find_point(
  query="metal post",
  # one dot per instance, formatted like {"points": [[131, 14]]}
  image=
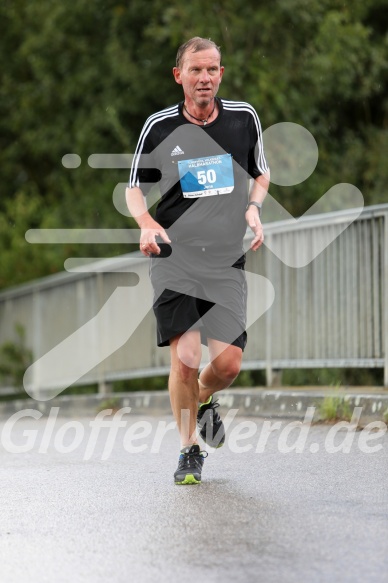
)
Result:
{"points": [[385, 300], [36, 342], [268, 320], [103, 387]]}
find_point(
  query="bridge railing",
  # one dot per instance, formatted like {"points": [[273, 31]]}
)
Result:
{"points": [[332, 312]]}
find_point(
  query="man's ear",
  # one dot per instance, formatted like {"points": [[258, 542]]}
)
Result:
{"points": [[177, 75]]}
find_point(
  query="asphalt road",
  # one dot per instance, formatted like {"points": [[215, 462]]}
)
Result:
{"points": [[258, 516]]}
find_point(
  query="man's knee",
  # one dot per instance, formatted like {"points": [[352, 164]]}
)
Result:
{"points": [[186, 356], [227, 368]]}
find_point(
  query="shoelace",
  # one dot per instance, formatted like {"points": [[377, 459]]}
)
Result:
{"points": [[190, 460]]}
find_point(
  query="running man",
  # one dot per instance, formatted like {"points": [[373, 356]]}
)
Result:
{"points": [[202, 152]]}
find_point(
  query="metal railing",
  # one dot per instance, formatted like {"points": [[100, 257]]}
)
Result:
{"points": [[330, 313]]}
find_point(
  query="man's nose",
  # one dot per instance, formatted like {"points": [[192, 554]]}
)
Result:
{"points": [[204, 77]]}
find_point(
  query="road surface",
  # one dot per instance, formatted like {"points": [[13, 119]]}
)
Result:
{"points": [[81, 504]]}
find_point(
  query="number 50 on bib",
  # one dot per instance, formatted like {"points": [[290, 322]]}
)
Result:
{"points": [[208, 176]]}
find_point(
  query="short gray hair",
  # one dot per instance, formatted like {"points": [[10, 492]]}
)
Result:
{"points": [[195, 44]]}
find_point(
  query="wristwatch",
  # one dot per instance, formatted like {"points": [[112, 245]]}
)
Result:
{"points": [[256, 204]]}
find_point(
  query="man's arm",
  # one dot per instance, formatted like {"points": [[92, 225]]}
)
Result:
{"points": [[150, 229], [257, 194]]}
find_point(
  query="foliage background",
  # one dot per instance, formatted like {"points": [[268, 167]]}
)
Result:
{"points": [[83, 76]]}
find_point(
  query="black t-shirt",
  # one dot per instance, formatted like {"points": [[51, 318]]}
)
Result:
{"points": [[203, 171]]}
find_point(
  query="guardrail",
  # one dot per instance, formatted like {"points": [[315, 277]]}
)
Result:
{"points": [[330, 313]]}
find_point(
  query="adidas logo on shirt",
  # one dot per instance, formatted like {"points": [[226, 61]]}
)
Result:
{"points": [[177, 151]]}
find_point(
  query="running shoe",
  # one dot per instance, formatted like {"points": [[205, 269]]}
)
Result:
{"points": [[210, 423], [190, 465]]}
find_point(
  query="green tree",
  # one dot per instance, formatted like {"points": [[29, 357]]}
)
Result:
{"points": [[83, 77]]}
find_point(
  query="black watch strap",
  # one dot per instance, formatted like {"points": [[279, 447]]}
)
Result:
{"points": [[256, 204]]}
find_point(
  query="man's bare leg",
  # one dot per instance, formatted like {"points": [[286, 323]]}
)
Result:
{"points": [[224, 366], [183, 383]]}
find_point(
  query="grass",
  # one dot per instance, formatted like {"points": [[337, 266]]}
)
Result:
{"points": [[110, 403], [334, 408]]}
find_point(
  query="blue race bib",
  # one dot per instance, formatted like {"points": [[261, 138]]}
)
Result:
{"points": [[208, 176]]}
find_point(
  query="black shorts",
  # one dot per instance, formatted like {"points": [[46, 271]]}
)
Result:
{"points": [[198, 288]]}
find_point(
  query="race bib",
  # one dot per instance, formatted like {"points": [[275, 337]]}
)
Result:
{"points": [[208, 176]]}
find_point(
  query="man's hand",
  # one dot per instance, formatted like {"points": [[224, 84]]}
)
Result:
{"points": [[258, 191], [253, 220], [150, 229]]}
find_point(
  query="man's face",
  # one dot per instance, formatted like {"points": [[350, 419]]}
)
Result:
{"points": [[200, 75]]}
